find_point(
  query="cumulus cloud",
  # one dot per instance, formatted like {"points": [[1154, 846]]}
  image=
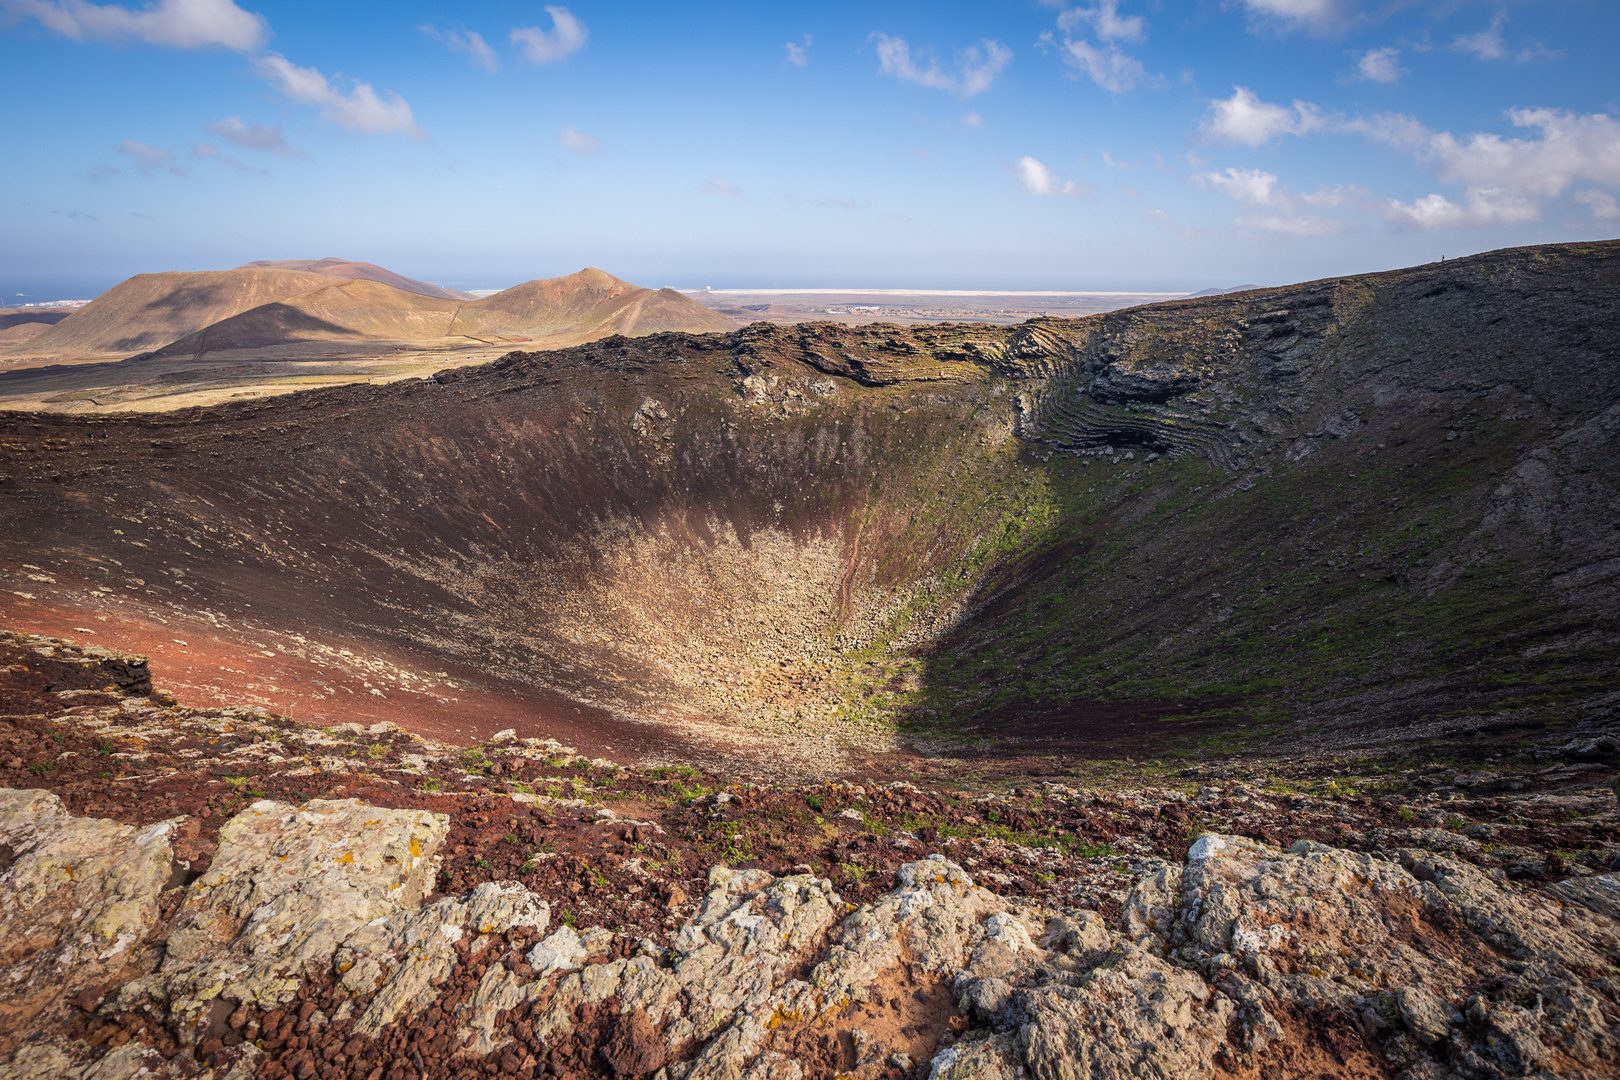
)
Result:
{"points": [[359, 110], [1604, 207], [578, 142], [1105, 21], [149, 159], [1244, 118], [1255, 187], [470, 42], [1481, 206], [254, 137], [1504, 180], [195, 24], [567, 35], [1037, 179], [180, 24], [973, 119], [1569, 149], [1282, 209], [1318, 17], [1379, 65], [798, 55], [1109, 68], [1103, 62], [976, 66], [720, 187], [1488, 44]]}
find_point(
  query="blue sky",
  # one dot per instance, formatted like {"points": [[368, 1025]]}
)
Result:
{"points": [[1116, 144]]}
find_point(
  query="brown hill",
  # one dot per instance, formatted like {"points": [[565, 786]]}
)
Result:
{"points": [[554, 312], [348, 270], [583, 306], [24, 324], [150, 310], [354, 310]]}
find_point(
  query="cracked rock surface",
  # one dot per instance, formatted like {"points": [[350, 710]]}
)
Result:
{"points": [[311, 948]]}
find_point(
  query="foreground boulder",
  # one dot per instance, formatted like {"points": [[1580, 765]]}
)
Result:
{"points": [[312, 948], [78, 896]]}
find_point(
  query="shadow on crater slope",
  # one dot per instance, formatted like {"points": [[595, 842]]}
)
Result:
{"points": [[1350, 514]]}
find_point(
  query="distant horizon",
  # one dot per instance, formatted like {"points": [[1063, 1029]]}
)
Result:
{"points": [[60, 290], [17, 291], [1041, 145]]}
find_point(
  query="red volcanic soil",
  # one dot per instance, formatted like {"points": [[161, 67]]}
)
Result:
{"points": [[204, 664]]}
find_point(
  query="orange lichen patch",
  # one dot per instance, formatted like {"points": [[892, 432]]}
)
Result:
{"points": [[346, 858]]}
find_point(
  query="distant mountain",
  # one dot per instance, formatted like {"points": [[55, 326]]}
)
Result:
{"points": [[1223, 292], [265, 305], [553, 312], [150, 310], [25, 324], [586, 305], [347, 270]]}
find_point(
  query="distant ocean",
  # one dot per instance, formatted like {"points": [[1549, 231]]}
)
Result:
{"points": [[19, 289]]}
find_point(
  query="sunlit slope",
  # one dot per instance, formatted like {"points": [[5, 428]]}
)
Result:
{"points": [[558, 311], [355, 310], [349, 270], [148, 311], [583, 306]]}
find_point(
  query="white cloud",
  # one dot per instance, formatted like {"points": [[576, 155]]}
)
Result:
{"points": [[724, 188], [195, 24], [1504, 180], [1254, 187], [798, 55], [578, 142], [973, 119], [1570, 148], [359, 110], [1109, 68], [1481, 206], [470, 42], [1318, 17], [180, 24], [1115, 163], [1603, 205], [1258, 189], [254, 137], [149, 159], [1105, 21], [1488, 44], [1244, 118], [977, 65], [1380, 65], [1037, 179], [567, 35], [1104, 64]]}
